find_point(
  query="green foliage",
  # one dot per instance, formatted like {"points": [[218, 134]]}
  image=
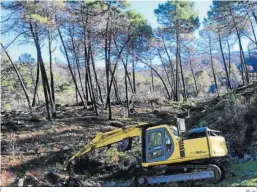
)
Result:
{"points": [[246, 172], [114, 154], [7, 107], [39, 18], [246, 183], [177, 15], [243, 169]]}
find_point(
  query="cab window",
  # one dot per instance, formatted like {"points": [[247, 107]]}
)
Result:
{"points": [[155, 139], [155, 145], [160, 145]]}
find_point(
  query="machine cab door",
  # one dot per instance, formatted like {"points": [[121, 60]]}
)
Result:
{"points": [[159, 145]]}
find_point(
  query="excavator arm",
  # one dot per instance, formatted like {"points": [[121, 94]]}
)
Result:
{"points": [[108, 138]]}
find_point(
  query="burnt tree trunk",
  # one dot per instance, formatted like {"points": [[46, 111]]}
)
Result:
{"points": [[36, 86], [46, 87]]}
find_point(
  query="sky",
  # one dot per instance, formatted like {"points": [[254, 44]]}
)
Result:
{"points": [[146, 7]]}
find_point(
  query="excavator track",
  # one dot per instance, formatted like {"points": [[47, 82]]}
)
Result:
{"points": [[182, 173], [164, 174]]}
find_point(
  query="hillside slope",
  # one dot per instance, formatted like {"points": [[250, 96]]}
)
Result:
{"points": [[37, 150]]}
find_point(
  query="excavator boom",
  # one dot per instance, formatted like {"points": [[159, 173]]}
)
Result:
{"points": [[108, 138]]}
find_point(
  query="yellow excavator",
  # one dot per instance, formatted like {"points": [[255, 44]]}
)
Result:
{"points": [[178, 154]]}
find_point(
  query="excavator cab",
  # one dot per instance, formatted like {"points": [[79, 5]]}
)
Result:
{"points": [[164, 145], [159, 144]]}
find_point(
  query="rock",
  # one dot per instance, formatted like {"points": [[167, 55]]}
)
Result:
{"points": [[247, 157]]}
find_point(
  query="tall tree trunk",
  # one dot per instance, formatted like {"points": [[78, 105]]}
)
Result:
{"points": [[223, 57], [212, 67], [126, 86], [242, 68], [126, 71], [163, 65], [69, 65], [85, 54], [133, 73], [33, 82], [46, 87], [182, 76], [192, 71], [229, 64], [108, 101], [243, 56], [93, 100], [171, 68], [36, 87], [116, 90], [117, 98], [254, 15], [51, 74], [86, 87], [177, 93], [90, 91], [107, 63], [152, 90], [77, 63], [76, 92], [254, 34], [19, 77], [240, 46], [96, 79]]}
